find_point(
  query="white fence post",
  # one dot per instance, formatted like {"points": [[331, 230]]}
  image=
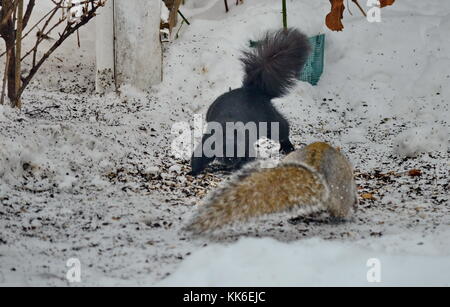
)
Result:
{"points": [[136, 50]]}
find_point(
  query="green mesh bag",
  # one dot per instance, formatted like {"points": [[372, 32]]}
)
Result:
{"points": [[313, 68]]}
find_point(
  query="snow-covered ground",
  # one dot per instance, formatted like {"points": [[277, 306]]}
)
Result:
{"points": [[93, 177]]}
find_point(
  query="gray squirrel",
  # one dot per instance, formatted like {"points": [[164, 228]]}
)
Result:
{"points": [[315, 178], [270, 69]]}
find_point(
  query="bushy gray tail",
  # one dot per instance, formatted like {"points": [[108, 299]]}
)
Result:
{"points": [[276, 61]]}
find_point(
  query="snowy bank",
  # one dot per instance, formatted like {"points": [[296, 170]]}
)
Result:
{"points": [[314, 262]]}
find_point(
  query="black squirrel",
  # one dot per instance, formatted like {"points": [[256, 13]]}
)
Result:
{"points": [[270, 69]]}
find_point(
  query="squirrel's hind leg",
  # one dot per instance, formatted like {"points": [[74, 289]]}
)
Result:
{"points": [[286, 146], [198, 164]]}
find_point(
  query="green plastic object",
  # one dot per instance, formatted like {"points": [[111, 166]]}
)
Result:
{"points": [[313, 68]]}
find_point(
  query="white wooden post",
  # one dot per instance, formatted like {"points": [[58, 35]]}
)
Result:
{"points": [[129, 50]]}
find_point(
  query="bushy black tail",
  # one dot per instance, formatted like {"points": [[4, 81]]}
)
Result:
{"points": [[276, 61]]}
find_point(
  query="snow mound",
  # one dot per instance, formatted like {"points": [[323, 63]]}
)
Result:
{"points": [[420, 140], [267, 262]]}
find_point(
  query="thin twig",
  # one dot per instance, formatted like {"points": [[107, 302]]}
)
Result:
{"points": [[178, 31], [184, 18], [28, 12], [40, 39], [360, 8], [348, 8]]}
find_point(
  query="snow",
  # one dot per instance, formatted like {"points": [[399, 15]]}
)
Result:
{"points": [[93, 176], [2, 117], [164, 12], [421, 139], [311, 262]]}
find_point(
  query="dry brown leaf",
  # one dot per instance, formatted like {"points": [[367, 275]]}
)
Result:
{"points": [[384, 3], [333, 19]]}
